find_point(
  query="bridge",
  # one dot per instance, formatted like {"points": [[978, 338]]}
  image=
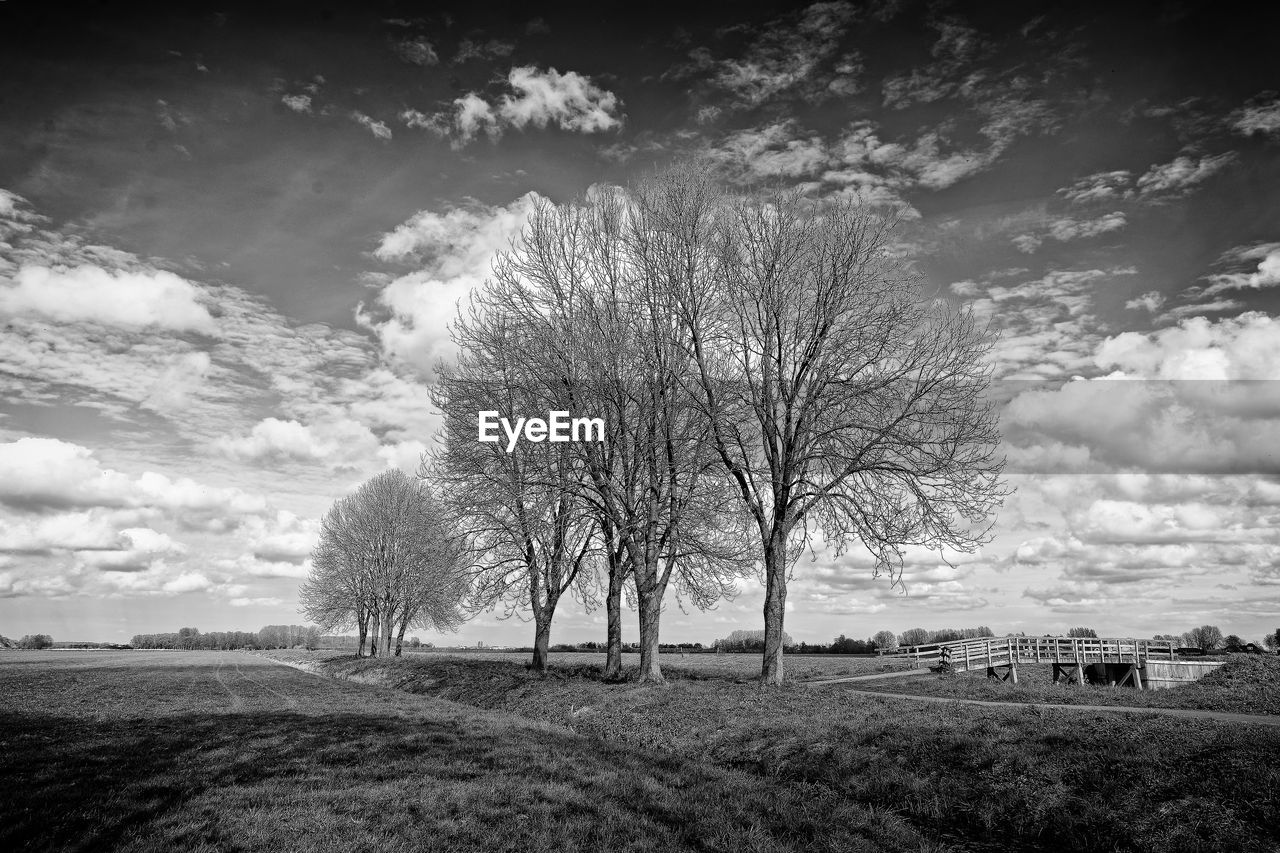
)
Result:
{"points": [[1123, 660]]}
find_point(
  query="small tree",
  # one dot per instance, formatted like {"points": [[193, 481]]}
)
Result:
{"points": [[1206, 637], [1232, 640], [914, 637], [885, 641], [1272, 641], [36, 641], [1082, 633]]}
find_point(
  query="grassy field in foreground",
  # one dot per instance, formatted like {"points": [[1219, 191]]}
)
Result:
{"points": [[1245, 684], [973, 778], [218, 751], [730, 667]]}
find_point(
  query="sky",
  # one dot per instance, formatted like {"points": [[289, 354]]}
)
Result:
{"points": [[231, 238]]}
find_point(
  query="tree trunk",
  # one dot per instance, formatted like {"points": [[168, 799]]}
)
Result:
{"points": [[374, 623], [404, 626], [650, 616], [364, 632], [388, 625], [775, 605], [613, 608], [541, 639]]}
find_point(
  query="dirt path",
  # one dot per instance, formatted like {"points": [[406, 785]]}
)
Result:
{"points": [[1221, 716]]}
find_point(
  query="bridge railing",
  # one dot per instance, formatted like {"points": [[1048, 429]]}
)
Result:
{"points": [[1001, 651]]}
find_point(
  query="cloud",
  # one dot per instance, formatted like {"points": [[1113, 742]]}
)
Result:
{"points": [[536, 98], [94, 529], [491, 49], [86, 293], [1181, 174], [335, 442], [41, 473], [1266, 273], [282, 538], [1151, 301], [406, 455], [1100, 186], [253, 566], [417, 51], [771, 151], [377, 128], [140, 549], [1067, 228], [1262, 116], [455, 249], [791, 56], [297, 103], [1048, 325], [1243, 347]]}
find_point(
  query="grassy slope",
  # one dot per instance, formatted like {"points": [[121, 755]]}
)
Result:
{"points": [[982, 778], [1245, 684], [222, 751]]}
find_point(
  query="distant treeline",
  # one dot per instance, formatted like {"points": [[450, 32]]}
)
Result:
{"points": [[923, 636], [269, 637]]}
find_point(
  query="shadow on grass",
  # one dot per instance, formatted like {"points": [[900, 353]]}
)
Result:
{"points": [[349, 781]]}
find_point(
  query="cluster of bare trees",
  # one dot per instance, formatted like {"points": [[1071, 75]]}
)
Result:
{"points": [[385, 563], [767, 371]]}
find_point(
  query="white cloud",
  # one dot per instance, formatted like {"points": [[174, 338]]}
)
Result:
{"points": [[1243, 347], [1101, 186], [377, 128], [417, 51], [1261, 117], [1181, 174], [335, 442], [536, 98], [86, 293], [250, 565], [1151, 301], [776, 150], [456, 248], [406, 455], [282, 538], [1067, 228], [1267, 273], [93, 529], [46, 472], [297, 103], [140, 549]]}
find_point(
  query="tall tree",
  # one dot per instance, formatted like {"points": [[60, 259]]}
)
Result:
{"points": [[841, 399], [601, 341], [528, 534]]}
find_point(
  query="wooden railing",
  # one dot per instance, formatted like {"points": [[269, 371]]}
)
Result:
{"points": [[984, 652]]}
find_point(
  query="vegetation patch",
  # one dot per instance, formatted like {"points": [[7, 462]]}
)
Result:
{"points": [[976, 778]]}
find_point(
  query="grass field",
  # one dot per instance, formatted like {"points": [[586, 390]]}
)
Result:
{"points": [[973, 778], [222, 751], [207, 751], [731, 667]]}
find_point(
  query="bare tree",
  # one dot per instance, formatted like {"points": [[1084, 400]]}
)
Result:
{"points": [[841, 399], [1206, 637], [384, 562], [886, 641], [528, 534], [600, 340]]}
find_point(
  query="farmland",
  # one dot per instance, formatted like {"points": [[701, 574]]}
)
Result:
{"points": [[223, 749], [226, 750]]}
